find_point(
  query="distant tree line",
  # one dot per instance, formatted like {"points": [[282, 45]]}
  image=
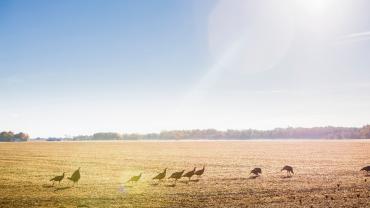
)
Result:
{"points": [[328, 132], [8, 136]]}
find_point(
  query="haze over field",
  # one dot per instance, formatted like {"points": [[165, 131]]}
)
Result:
{"points": [[231, 103], [80, 67]]}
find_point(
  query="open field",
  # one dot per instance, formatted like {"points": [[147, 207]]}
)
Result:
{"points": [[326, 174]]}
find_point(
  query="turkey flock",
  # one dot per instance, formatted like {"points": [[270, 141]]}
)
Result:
{"points": [[174, 176], [75, 177]]}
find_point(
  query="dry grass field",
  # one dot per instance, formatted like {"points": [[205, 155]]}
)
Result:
{"points": [[326, 174]]}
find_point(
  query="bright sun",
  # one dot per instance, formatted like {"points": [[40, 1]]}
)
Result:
{"points": [[314, 6]]}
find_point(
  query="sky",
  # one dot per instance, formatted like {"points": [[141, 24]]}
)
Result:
{"points": [[79, 67]]}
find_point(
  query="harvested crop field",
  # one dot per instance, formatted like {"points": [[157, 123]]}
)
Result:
{"points": [[326, 174]]}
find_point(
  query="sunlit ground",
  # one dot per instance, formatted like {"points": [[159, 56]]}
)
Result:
{"points": [[326, 174]]}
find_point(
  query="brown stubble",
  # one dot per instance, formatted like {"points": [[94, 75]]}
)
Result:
{"points": [[319, 167]]}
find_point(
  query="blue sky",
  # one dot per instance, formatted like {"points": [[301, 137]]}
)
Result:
{"points": [[78, 67]]}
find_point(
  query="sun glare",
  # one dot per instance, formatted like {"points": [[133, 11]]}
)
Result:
{"points": [[315, 6]]}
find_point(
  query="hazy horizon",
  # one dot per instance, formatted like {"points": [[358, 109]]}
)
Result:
{"points": [[80, 67]]}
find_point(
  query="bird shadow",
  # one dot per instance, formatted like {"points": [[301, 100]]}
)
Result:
{"points": [[253, 177], [62, 188], [233, 179], [185, 182], [170, 185], [195, 180], [82, 205], [285, 177], [47, 186]]}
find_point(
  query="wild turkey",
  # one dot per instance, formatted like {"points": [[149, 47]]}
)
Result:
{"points": [[135, 178], [58, 178], [161, 176], [367, 169], [177, 175], [256, 171], [200, 172], [75, 177], [288, 169], [189, 174]]}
